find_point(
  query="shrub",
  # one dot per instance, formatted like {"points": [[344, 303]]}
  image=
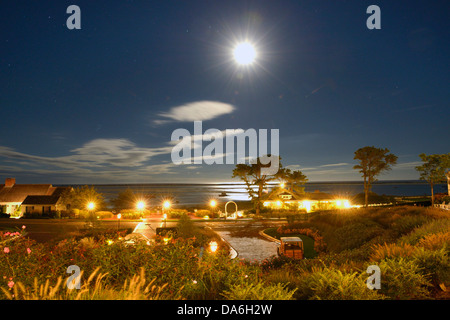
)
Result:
{"points": [[435, 263], [403, 279], [436, 241], [104, 214], [392, 250], [132, 214], [354, 235], [276, 262], [333, 284], [258, 291], [406, 224], [177, 213], [203, 212], [433, 227], [442, 199]]}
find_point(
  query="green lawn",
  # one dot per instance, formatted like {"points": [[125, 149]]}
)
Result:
{"points": [[308, 242]]}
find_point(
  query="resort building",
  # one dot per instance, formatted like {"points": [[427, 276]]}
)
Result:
{"points": [[285, 199], [16, 199]]}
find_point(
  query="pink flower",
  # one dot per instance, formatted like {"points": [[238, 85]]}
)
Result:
{"points": [[11, 284], [23, 227], [28, 250], [6, 250]]}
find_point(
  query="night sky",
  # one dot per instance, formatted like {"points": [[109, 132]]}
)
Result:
{"points": [[99, 104]]}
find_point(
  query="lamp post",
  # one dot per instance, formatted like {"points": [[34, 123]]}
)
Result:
{"points": [[213, 204], [166, 206], [91, 218], [140, 206], [119, 216], [91, 207]]}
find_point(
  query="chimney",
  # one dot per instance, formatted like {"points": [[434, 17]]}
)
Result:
{"points": [[9, 182]]}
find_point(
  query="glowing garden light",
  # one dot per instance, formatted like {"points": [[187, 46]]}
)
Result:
{"points": [[307, 205], [91, 206], [213, 246], [140, 205], [119, 216], [166, 204]]}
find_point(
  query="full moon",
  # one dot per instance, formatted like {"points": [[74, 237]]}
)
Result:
{"points": [[244, 53]]}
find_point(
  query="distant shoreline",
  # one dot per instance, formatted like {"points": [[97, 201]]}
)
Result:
{"points": [[381, 182], [199, 194]]}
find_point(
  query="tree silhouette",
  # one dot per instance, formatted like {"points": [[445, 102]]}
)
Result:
{"points": [[433, 169], [372, 162]]}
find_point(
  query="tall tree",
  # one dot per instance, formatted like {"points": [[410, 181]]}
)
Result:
{"points": [[253, 177], [293, 180], [372, 162], [433, 170], [80, 197]]}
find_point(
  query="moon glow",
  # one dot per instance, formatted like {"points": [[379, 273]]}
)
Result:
{"points": [[244, 53]]}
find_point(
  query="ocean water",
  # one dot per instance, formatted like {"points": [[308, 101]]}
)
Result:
{"points": [[195, 194]]}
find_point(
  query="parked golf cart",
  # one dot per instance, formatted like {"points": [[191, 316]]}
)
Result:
{"points": [[291, 247]]}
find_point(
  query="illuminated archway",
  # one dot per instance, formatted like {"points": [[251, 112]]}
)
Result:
{"points": [[226, 212]]}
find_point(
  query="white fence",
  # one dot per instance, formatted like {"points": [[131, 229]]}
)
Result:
{"points": [[443, 206]]}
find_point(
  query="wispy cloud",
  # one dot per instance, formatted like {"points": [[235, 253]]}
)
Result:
{"points": [[196, 140], [425, 106], [115, 152], [299, 167], [94, 154], [106, 159], [335, 165], [195, 111], [408, 165]]}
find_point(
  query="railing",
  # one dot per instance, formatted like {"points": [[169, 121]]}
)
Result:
{"points": [[442, 206]]}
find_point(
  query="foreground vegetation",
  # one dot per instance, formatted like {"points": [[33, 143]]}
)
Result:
{"points": [[409, 244]]}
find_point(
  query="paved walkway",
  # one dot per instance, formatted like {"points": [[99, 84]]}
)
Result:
{"points": [[243, 236]]}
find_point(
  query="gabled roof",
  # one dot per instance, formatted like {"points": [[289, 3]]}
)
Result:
{"points": [[317, 195], [277, 193], [41, 200], [52, 199], [18, 192]]}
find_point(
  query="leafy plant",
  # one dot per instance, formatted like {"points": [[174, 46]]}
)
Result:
{"points": [[258, 291], [403, 279], [392, 250], [332, 284]]}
